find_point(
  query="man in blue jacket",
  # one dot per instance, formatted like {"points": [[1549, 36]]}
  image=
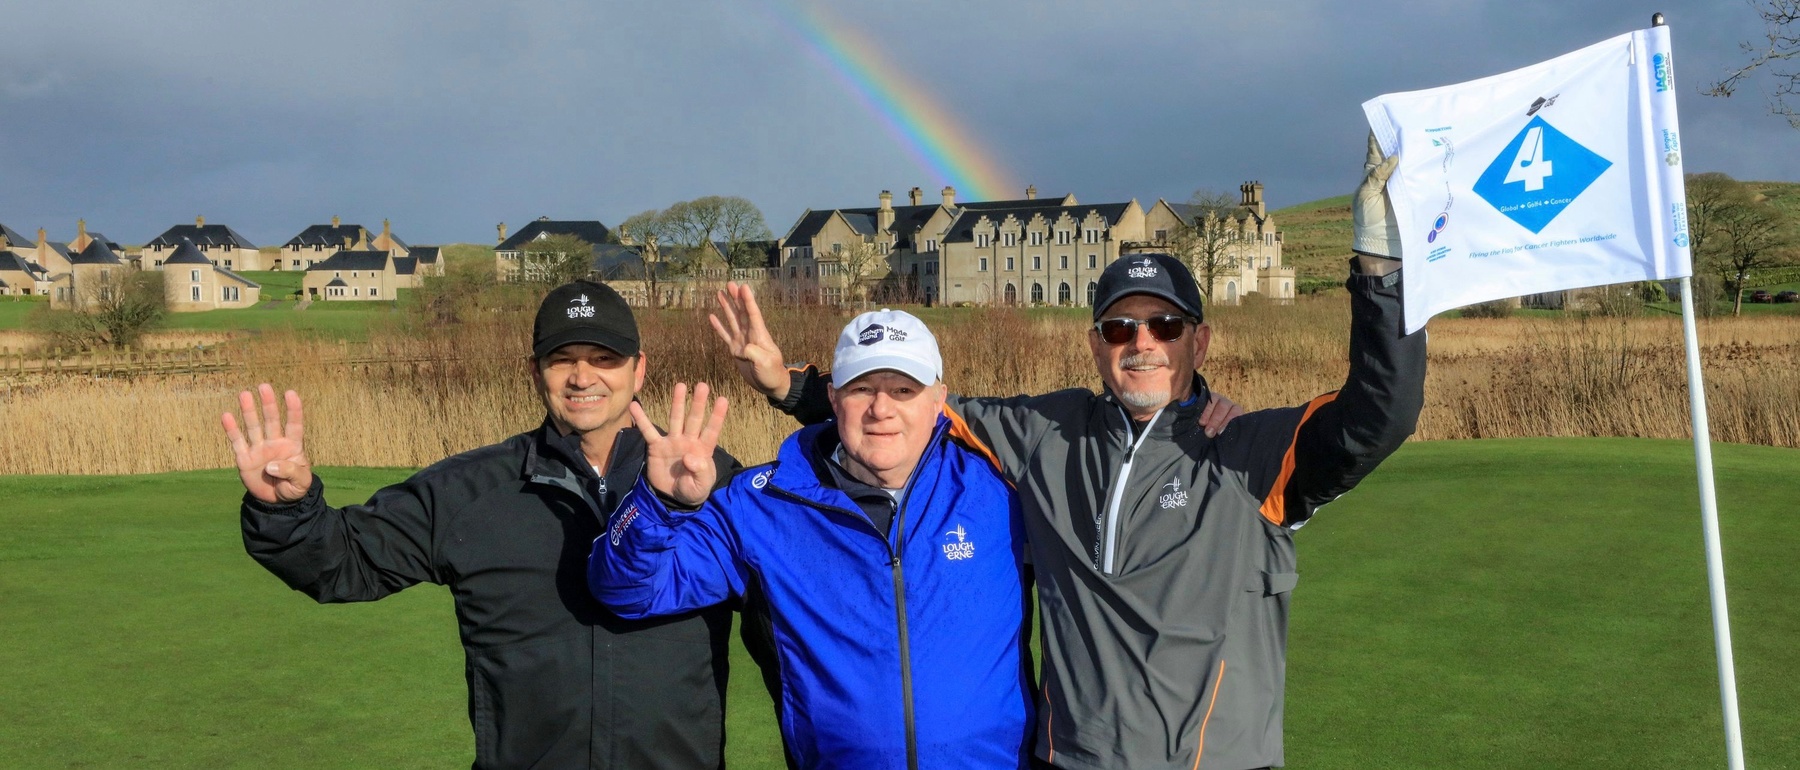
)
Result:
{"points": [[887, 546]]}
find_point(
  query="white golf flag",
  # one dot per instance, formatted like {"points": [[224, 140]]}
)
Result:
{"points": [[1557, 176]]}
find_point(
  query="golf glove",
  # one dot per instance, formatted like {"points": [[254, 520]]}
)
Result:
{"points": [[1377, 230]]}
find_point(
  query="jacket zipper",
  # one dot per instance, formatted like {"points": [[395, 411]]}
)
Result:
{"points": [[899, 573], [1106, 545]]}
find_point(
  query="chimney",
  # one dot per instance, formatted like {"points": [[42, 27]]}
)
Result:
{"points": [[334, 220], [949, 196], [347, 244], [917, 196], [502, 228], [1031, 193], [80, 229], [884, 218], [41, 236], [1253, 197], [199, 221]]}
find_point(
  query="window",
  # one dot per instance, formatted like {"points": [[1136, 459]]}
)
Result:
{"points": [[1062, 262], [1009, 264], [296, 264], [931, 244], [1063, 237], [1037, 261], [193, 291], [931, 268], [1092, 288], [1012, 295], [353, 292], [1162, 235], [1009, 239], [227, 264], [374, 291], [159, 247], [1093, 262], [981, 265], [1090, 235], [1062, 294], [293, 247], [793, 272], [1037, 293], [194, 275], [1037, 238], [353, 274], [228, 247], [337, 273], [228, 293], [981, 240], [159, 263], [318, 247]]}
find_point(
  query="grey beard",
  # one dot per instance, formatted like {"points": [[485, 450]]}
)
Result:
{"points": [[1145, 399]]}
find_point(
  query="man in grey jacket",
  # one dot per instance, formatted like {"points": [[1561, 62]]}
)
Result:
{"points": [[1164, 557]]}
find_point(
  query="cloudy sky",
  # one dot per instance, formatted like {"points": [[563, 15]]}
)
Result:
{"points": [[448, 117]]}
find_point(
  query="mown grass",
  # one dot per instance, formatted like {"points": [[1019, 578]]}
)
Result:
{"points": [[1476, 604]]}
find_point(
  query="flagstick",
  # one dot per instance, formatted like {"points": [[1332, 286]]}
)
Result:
{"points": [[1709, 517]]}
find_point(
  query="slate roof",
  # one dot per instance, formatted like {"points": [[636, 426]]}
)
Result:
{"points": [[962, 228], [13, 238], [96, 254], [589, 230], [427, 255], [353, 260], [338, 282], [405, 265], [110, 243], [240, 279], [907, 220], [1188, 211], [13, 262], [202, 235], [326, 235], [187, 254]]}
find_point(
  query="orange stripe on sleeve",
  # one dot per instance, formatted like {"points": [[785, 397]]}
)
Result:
{"points": [[960, 431], [1274, 507], [1049, 716], [1217, 683]]}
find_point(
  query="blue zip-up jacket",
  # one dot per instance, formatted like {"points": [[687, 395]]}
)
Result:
{"points": [[897, 650]]}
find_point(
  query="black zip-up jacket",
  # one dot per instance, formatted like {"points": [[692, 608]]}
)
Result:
{"points": [[555, 680]]}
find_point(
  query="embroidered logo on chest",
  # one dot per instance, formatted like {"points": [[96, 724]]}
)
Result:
{"points": [[957, 545], [1175, 497], [622, 522]]}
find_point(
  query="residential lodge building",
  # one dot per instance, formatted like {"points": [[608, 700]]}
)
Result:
{"points": [[219, 243], [360, 275], [192, 283]]}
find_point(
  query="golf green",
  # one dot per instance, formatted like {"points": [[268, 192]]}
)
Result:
{"points": [[1503, 604]]}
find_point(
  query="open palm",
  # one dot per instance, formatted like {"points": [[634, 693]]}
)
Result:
{"points": [[757, 356], [680, 464], [271, 460]]}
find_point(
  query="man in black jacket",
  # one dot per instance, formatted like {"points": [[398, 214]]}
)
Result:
{"points": [[555, 680]]}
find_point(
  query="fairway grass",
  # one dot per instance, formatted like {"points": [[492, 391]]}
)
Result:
{"points": [[1476, 604]]}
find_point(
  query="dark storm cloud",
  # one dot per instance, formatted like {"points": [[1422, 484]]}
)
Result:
{"points": [[448, 118]]}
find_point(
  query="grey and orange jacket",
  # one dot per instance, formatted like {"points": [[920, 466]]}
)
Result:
{"points": [[1165, 560]]}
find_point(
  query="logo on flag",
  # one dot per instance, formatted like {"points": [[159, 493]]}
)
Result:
{"points": [[1539, 174]]}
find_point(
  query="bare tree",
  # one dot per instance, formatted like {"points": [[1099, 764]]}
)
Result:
{"points": [[1748, 235], [1781, 20], [741, 222], [112, 310], [858, 265], [1204, 239], [555, 260]]}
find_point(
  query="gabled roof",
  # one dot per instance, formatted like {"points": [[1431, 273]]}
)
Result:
{"points": [[96, 254], [427, 255], [202, 235], [1187, 212], [13, 238], [589, 230], [187, 254], [240, 279], [353, 260], [613, 262], [110, 243], [326, 235], [405, 265], [962, 228], [15, 263], [60, 248], [1021, 203], [338, 282]]}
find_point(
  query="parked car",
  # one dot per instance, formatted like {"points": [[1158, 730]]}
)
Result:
{"points": [[1787, 296], [1761, 295]]}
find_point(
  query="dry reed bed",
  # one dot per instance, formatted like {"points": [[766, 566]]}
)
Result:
{"points": [[434, 394]]}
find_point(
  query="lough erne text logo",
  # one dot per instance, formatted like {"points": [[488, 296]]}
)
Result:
{"points": [[1174, 499], [1144, 269], [622, 522], [579, 307], [1664, 78], [1538, 175], [957, 546]]}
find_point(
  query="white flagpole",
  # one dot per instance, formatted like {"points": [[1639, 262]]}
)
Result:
{"points": [[1709, 518]]}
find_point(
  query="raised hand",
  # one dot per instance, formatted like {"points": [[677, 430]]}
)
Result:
{"points": [[680, 465], [270, 459], [1218, 412], [758, 358]]}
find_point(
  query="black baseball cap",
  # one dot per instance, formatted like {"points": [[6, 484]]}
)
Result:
{"points": [[1158, 275], [586, 312]]}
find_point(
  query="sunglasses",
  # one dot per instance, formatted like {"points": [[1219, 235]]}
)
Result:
{"points": [[1165, 328]]}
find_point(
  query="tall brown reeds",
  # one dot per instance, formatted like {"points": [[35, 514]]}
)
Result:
{"points": [[409, 396]]}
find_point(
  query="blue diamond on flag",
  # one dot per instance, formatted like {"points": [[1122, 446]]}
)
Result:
{"points": [[1538, 175]]}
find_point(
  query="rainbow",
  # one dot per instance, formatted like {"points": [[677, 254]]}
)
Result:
{"points": [[929, 133]]}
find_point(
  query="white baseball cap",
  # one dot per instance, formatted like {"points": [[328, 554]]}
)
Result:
{"points": [[886, 339]]}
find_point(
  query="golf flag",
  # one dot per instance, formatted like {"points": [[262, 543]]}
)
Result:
{"points": [[1557, 176]]}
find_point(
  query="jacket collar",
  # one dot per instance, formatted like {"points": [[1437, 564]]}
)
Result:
{"points": [[1180, 418], [801, 465]]}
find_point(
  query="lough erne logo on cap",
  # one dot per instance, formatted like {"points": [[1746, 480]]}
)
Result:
{"points": [[579, 307], [1142, 269]]}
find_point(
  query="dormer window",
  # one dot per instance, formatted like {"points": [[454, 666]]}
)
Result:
{"points": [[1009, 238], [1063, 237], [981, 240], [1037, 238]]}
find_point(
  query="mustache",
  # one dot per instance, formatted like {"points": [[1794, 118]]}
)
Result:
{"points": [[1146, 358]]}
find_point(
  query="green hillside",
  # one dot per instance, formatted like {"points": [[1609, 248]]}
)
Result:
{"points": [[1476, 604]]}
